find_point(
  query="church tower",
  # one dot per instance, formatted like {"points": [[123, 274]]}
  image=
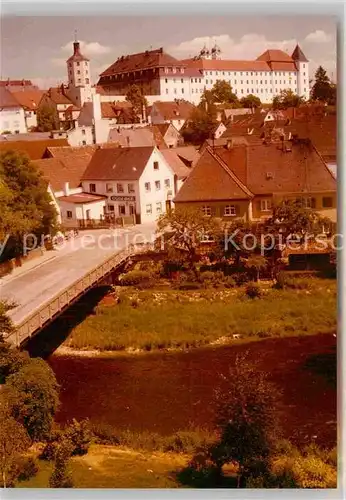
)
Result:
{"points": [[302, 65], [79, 78]]}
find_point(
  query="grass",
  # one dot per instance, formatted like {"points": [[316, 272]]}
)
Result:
{"points": [[113, 467], [191, 319]]}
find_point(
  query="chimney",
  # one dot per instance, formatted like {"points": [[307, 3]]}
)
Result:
{"points": [[229, 144], [66, 189]]}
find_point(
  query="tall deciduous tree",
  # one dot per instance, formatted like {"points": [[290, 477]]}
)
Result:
{"points": [[220, 93], [47, 119], [187, 228], [13, 442], [25, 205], [246, 416], [201, 125], [250, 101], [287, 99], [323, 90], [33, 392], [136, 97]]}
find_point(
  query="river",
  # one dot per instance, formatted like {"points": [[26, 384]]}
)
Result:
{"points": [[168, 391]]}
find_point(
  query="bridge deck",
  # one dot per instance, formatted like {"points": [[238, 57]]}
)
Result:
{"points": [[43, 292]]}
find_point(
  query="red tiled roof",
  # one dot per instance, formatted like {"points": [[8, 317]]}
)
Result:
{"points": [[172, 110], [298, 55], [29, 99], [173, 160], [274, 55], [118, 163], [58, 172], [138, 137], [212, 180], [34, 149], [267, 169], [79, 198], [7, 99], [57, 96], [144, 60]]}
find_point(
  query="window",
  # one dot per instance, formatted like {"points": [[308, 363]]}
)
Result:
{"points": [[166, 91], [147, 187], [84, 143], [78, 64], [78, 72], [158, 207], [266, 205], [157, 185], [211, 81], [182, 91], [195, 80], [166, 80], [156, 165], [132, 209], [241, 82], [241, 73], [92, 188], [87, 214], [175, 91], [235, 82], [79, 80], [182, 80], [327, 202], [109, 188], [173, 80], [120, 188], [216, 73], [206, 210], [122, 210], [69, 214], [130, 188], [206, 82], [303, 65], [229, 211], [148, 209], [111, 208], [307, 202], [167, 183]]}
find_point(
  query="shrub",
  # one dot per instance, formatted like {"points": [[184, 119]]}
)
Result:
{"points": [[135, 278], [49, 451], [61, 476], [281, 281], [79, 436], [253, 291], [229, 282], [190, 286], [27, 468], [207, 276], [240, 278]]}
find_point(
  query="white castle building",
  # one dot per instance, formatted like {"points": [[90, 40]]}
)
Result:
{"points": [[164, 78]]}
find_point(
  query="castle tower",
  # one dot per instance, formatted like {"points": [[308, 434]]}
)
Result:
{"points": [[79, 78], [216, 52], [302, 65]]}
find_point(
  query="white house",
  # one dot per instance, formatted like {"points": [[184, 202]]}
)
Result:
{"points": [[29, 101], [12, 117], [137, 181], [81, 207]]}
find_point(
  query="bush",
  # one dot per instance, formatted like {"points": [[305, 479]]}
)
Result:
{"points": [[61, 476], [190, 286], [229, 282], [79, 436], [27, 468], [240, 278], [253, 291], [49, 451], [136, 278]]}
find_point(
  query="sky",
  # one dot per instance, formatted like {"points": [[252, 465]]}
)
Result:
{"points": [[36, 48]]}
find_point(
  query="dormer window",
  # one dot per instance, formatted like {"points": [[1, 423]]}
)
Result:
{"points": [[78, 64]]}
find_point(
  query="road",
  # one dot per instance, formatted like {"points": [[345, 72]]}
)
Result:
{"points": [[72, 261]]}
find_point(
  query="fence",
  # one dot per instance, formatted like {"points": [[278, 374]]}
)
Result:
{"points": [[47, 312]]}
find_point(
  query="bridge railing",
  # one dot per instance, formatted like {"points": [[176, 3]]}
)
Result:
{"points": [[48, 311]]}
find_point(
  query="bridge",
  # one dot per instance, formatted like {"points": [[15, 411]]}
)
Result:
{"points": [[43, 293]]}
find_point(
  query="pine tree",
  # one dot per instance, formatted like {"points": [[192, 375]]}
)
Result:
{"points": [[322, 89]]}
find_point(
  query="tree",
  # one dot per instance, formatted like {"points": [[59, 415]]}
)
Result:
{"points": [[187, 228], [47, 119], [287, 99], [11, 358], [246, 417], [250, 101], [323, 90], [25, 205], [13, 441], [200, 126], [33, 392], [136, 97], [61, 476], [256, 263], [220, 93]]}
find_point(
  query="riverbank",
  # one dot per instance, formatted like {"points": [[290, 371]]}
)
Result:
{"points": [[163, 320]]}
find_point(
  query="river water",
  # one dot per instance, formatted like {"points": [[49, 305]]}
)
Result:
{"points": [[166, 392]]}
